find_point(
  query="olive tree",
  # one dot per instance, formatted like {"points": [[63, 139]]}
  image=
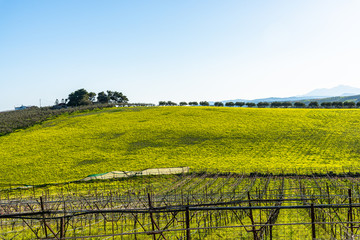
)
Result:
{"points": [[229, 104], [250, 104], [262, 104], [239, 104], [326, 104], [204, 103], [218, 104], [313, 104], [193, 103], [349, 104], [299, 105]]}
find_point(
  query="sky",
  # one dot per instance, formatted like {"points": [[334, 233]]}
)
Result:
{"points": [[180, 50]]}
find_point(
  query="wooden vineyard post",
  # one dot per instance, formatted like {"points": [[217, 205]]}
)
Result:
{"points": [[62, 228], [63, 223], [328, 193], [153, 223], [151, 217], [313, 221], [187, 219], [135, 219], [252, 219], [43, 214], [350, 213]]}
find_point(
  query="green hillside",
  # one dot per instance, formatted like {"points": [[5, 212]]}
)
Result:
{"points": [[73, 146], [354, 98]]}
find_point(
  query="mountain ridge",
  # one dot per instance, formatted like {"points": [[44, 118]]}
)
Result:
{"points": [[321, 95], [341, 90]]}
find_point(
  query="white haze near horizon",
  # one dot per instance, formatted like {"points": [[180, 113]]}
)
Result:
{"points": [[176, 50]]}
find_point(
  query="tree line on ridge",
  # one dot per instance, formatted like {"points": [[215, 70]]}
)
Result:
{"points": [[313, 104]]}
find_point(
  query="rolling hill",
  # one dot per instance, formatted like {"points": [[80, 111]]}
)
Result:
{"points": [[72, 146]]}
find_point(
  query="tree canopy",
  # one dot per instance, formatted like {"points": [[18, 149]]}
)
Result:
{"points": [[299, 104], [250, 104], [193, 103], [218, 104], [263, 104], [239, 104], [229, 104], [79, 98], [204, 103], [82, 97]]}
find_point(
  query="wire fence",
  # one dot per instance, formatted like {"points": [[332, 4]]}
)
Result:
{"points": [[191, 206]]}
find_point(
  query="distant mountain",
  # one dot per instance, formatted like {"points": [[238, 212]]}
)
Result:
{"points": [[340, 90], [352, 98], [339, 93], [271, 99]]}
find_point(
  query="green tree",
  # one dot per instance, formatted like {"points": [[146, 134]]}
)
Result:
{"points": [[102, 97], [326, 104], [193, 103], [276, 104], [117, 97], [79, 98], [262, 104], [349, 104], [204, 103], [313, 104], [162, 103], [218, 104], [337, 104], [286, 104], [239, 104], [229, 104], [299, 105], [250, 104], [183, 103], [170, 103], [92, 97]]}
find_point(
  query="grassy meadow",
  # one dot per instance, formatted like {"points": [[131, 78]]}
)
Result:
{"points": [[72, 146]]}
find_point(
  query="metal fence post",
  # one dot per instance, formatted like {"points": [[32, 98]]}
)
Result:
{"points": [[187, 219], [313, 221], [350, 213]]}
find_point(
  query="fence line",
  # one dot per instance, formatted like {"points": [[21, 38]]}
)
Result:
{"points": [[193, 207], [188, 209], [172, 209]]}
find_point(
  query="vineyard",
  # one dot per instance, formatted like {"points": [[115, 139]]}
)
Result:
{"points": [[254, 174], [198, 205]]}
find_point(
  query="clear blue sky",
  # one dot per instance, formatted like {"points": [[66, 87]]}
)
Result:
{"points": [[182, 50]]}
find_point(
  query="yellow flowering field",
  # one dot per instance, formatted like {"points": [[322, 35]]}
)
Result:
{"points": [[70, 147]]}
